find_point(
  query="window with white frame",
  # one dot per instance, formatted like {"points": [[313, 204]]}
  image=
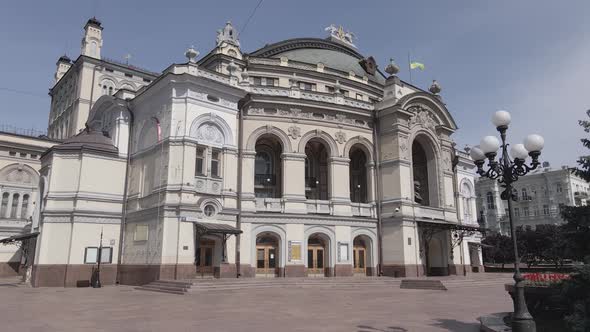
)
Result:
{"points": [[215, 163], [490, 199], [546, 210], [200, 162], [91, 255]]}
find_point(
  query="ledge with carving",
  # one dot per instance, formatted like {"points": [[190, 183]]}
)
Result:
{"points": [[295, 113]]}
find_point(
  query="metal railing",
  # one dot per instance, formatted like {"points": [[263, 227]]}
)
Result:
{"points": [[22, 131]]}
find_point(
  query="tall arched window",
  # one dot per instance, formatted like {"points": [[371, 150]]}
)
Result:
{"points": [[14, 210], [25, 206], [316, 170], [4, 206], [358, 176], [267, 167], [490, 198], [420, 170]]}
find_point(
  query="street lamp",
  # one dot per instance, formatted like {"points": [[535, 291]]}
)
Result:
{"points": [[507, 171]]}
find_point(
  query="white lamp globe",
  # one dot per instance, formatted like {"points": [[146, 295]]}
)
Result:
{"points": [[489, 144], [519, 151], [501, 118], [534, 143], [476, 153]]}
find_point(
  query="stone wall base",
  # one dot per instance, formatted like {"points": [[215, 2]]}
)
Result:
{"points": [[403, 270], [295, 271], [10, 269], [343, 270], [75, 275]]}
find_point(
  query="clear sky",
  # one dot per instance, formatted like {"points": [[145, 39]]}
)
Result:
{"points": [[528, 57]]}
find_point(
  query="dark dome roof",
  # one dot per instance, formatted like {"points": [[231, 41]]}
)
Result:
{"points": [[94, 21], [89, 139], [64, 58], [314, 50]]}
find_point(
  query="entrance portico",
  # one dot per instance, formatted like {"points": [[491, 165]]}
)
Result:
{"points": [[207, 235]]}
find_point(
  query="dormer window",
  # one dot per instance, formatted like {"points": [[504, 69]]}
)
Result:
{"points": [[265, 81], [307, 86]]}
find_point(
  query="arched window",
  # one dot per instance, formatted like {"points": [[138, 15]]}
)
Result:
{"points": [[25, 206], [421, 176], [316, 170], [358, 176], [490, 198], [4, 206], [93, 48], [14, 210], [108, 87], [267, 167]]}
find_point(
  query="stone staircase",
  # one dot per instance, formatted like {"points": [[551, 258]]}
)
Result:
{"points": [[167, 286], [182, 287], [425, 284]]}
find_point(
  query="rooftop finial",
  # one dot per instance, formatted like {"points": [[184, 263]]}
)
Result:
{"points": [[392, 68], [191, 54], [435, 87], [228, 35]]}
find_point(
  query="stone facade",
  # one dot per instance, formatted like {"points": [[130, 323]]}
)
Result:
{"points": [[323, 165]]}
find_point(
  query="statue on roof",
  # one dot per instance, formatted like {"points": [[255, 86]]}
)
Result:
{"points": [[340, 35], [228, 35]]}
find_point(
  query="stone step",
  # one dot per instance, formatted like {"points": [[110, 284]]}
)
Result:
{"points": [[422, 284], [160, 290], [172, 283], [166, 287]]}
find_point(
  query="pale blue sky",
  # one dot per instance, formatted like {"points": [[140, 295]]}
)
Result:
{"points": [[529, 57]]}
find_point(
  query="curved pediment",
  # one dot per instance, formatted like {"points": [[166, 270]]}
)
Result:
{"points": [[427, 110], [19, 174]]}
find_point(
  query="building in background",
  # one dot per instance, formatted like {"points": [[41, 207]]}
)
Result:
{"points": [[297, 159], [541, 196], [19, 194]]}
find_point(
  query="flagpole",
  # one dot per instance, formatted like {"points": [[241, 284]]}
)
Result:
{"points": [[410, 68]]}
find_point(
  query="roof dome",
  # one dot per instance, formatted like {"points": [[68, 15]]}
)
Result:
{"points": [[89, 139], [64, 58], [316, 50], [94, 21]]}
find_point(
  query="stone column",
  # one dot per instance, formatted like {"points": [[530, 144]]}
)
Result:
{"points": [[294, 182], [340, 186], [19, 207], [9, 205], [247, 194]]}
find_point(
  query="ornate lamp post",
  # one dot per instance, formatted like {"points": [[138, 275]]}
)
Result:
{"points": [[507, 171]]}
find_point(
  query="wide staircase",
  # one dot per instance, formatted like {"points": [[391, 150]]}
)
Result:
{"points": [[182, 287]]}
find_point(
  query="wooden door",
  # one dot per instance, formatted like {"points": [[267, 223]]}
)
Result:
{"points": [[266, 260], [205, 257], [315, 260], [360, 260]]}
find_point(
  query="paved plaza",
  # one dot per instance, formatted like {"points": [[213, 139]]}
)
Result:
{"points": [[364, 307]]}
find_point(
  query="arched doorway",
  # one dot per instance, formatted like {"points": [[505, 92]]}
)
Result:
{"points": [[437, 265], [358, 175], [268, 167], [267, 254], [362, 256], [318, 255], [316, 170]]}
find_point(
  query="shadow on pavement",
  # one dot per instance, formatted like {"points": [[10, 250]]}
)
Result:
{"points": [[365, 328], [457, 326]]}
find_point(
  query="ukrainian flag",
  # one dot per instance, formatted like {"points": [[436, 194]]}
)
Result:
{"points": [[414, 65]]}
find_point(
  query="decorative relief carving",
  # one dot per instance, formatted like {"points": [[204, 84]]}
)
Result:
{"points": [[294, 132], [422, 116], [256, 111], [340, 137], [210, 133], [404, 148]]}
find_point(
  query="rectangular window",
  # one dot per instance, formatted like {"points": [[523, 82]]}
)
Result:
{"points": [[128, 75], [141, 233], [525, 211], [257, 80], [516, 212], [329, 89], [23, 155], [12, 153], [307, 86], [269, 81], [215, 164], [200, 162], [546, 210], [109, 70], [561, 206], [34, 156], [359, 96], [147, 80], [346, 93]]}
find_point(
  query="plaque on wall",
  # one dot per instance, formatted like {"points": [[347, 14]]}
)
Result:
{"points": [[342, 252], [294, 251]]}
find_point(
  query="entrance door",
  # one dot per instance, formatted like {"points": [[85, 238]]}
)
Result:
{"points": [[266, 260], [205, 257], [315, 260], [360, 259]]}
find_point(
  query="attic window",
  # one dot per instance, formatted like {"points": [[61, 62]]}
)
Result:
{"points": [[212, 98], [147, 80], [109, 70], [128, 75]]}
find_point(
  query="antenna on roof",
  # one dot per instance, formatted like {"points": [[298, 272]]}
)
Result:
{"points": [[127, 57]]}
